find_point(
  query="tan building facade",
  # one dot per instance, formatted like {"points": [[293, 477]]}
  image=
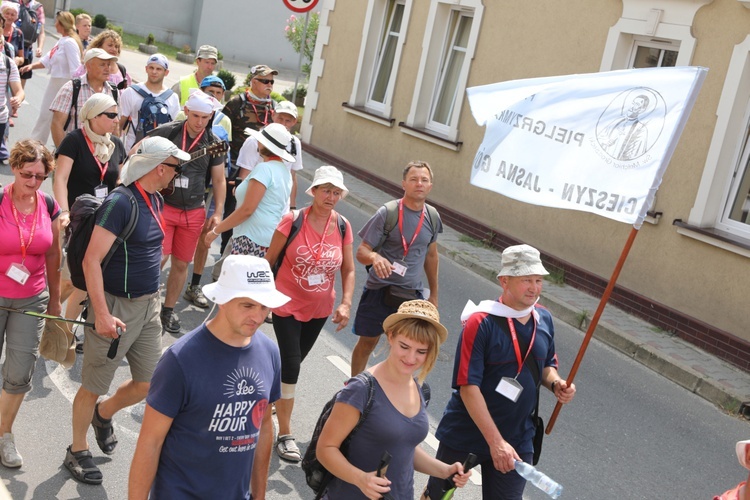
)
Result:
{"points": [[388, 86]]}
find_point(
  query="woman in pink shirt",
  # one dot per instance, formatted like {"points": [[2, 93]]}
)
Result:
{"points": [[306, 273], [29, 278]]}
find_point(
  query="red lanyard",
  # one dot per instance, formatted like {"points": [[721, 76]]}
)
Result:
{"points": [[322, 238], [24, 244], [264, 121], [102, 168], [160, 218], [184, 139], [54, 49], [401, 226]]}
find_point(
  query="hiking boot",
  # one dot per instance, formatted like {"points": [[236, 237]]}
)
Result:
{"points": [[195, 295], [170, 322], [9, 455]]}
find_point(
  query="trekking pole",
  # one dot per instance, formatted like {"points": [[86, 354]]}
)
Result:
{"points": [[46, 316]]}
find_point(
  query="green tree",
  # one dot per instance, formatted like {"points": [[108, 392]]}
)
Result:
{"points": [[294, 29]]}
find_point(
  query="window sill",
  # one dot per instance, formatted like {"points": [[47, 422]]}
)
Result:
{"points": [[715, 237], [430, 137], [369, 115]]}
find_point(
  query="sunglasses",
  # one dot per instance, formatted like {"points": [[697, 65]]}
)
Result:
{"points": [[109, 114], [27, 175], [176, 166], [265, 81]]}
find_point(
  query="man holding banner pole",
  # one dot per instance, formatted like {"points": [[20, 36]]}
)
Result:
{"points": [[506, 351]]}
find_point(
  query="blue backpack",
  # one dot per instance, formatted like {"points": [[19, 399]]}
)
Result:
{"points": [[154, 111]]}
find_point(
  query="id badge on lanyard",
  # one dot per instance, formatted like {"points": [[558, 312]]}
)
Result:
{"points": [[510, 387]]}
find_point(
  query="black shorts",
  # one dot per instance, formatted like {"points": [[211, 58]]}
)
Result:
{"points": [[28, 59]]}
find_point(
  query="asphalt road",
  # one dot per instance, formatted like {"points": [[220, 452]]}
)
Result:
{"points": [[629, 434]]}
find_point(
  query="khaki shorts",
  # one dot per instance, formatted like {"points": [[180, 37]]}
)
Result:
{"points": [[140, 343], [21, 333]]}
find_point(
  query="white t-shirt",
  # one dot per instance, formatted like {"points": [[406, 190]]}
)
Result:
{"points": [[130, 105], [249, 156], [63, 59]]}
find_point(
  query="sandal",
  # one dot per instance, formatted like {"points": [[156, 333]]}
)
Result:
{"points": [[105, 433], [81, 466], [287, 449]]}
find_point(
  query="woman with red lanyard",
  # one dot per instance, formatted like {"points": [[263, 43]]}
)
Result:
{"points": [[262, 197], [88, 162], [29, 278], [307, 272], [60, 62]]}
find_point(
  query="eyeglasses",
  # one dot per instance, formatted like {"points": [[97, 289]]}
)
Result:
{"points": [[109, 114], [176, 166], [264, 81], [27, 175]]}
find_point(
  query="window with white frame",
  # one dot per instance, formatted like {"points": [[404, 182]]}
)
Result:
{"points": [[450, 39], [383, 36], [734, 217], [453, 58], [654, 53], [381, 81]]}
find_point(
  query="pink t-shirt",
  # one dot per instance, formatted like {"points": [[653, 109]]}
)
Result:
{"points": [[733, 494], [309, 269], [10, 247]]}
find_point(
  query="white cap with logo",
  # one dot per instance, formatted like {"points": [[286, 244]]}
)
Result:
{"points": [[246, 276]]}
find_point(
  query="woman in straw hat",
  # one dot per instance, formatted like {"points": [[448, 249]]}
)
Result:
{"points": [[261, 197], [88, 162], [307, 272], [397, 421], [29, 278]]}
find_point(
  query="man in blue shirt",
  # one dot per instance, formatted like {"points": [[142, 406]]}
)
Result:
{"points": [[490, 411], [124, 302], [207, 429]]}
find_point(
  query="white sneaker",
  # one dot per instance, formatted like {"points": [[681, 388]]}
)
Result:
{"points": [[9, 455]]}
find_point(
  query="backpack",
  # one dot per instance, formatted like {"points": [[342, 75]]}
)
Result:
{"points": [[316, 475], [82, 222], [74, 100], [28, 22], [153, 112], [391, 220], [124, 72], [296, 226]]}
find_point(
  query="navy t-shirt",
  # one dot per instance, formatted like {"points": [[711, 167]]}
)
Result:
{"points": [[135, 267], [484, 355], [384, 429], [217, 396]]}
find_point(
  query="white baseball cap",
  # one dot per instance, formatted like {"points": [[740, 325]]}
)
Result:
{"points": [[246, 276], [151, 152]]}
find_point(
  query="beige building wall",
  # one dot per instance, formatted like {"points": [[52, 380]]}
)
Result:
{"points": [[540, 38]]}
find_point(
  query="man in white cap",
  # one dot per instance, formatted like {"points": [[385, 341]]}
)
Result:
{"points": [[157, 68], [205, 60], [123, 301], [185, 208], [742, 490], [65, 109], [506, 351], [207, 429]]}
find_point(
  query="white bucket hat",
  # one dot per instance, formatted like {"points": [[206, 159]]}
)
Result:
{"points": [[742, 452], [276, 138], [151, 152], [246, 276], [328, 175], [521, 260]]}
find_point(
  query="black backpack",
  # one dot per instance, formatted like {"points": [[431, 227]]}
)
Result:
{"points": [[82, 222], [29, 23], [316, 475], [154, 112], [296, 226], [74, 100]]}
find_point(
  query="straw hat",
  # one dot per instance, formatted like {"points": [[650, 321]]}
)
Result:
{"points": [[418, 309]]}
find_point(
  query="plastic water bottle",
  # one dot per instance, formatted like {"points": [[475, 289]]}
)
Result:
{"points": [[539, 479]]}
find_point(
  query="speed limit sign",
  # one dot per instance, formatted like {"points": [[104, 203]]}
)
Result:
{"points": [[301, 5]]}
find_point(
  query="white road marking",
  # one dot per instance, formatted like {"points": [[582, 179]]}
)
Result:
{"points": [[430, 440]]}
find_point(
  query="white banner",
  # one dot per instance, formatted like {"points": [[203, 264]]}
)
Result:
{"points": [[596, 142]]}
